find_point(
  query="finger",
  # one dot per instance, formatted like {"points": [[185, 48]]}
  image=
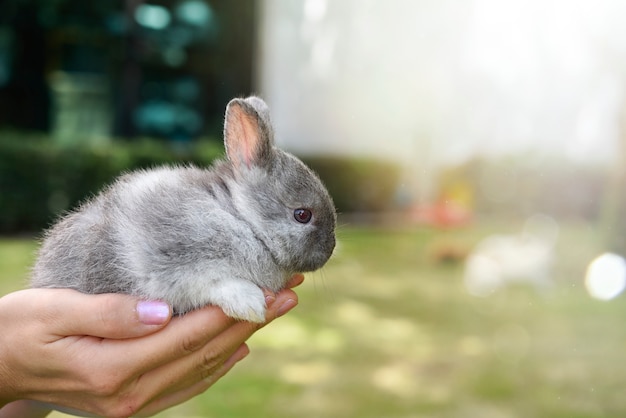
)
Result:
{"points": [[206, 380], [66, 312], [177, 397], [296, 280], [285, 301], [200, 365], [217, 337], [204, 363], [190, 345], [280, 303], [241, 353], [183, 336]]}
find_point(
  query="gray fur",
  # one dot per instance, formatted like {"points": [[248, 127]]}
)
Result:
{"points": [[192, 236]]}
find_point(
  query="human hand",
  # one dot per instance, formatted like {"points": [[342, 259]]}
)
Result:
{"points": [[112, 355]]}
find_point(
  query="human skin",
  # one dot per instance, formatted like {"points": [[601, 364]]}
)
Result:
{"points": [[113, 355]]}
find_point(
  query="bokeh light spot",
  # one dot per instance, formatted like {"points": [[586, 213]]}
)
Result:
{"points": [[195, 12], [606, 276], [152, 16]]}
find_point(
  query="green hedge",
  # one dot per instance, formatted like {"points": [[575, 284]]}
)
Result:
{"points": [[39, 179], [358, 185]]}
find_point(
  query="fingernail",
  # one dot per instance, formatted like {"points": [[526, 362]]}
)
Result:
{"points": [[269, 299], [241, 353], [153, 312], [286, 307]]}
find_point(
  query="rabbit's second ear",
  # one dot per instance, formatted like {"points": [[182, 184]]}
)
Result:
{"points": [[247, 136]]}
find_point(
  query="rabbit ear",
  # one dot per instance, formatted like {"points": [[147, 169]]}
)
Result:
{"points": [[248, 133]]}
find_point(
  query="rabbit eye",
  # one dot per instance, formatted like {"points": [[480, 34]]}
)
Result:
{"points": [[303, 215]]}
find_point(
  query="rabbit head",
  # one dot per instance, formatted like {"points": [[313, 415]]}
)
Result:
{"points": [[283, 201]]}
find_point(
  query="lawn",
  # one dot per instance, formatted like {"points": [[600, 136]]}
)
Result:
{"points": [[388, 330]]}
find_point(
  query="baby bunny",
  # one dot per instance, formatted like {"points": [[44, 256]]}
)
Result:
{"points": [[192, 236]]}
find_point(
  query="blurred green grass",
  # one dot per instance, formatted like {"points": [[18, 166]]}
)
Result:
{"points": [[387, 329]]}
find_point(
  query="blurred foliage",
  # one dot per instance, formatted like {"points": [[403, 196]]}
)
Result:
{"points": [[40, 179], [358, 184]]}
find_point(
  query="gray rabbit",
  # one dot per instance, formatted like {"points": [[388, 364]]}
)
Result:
{"points": [[192, 236]]}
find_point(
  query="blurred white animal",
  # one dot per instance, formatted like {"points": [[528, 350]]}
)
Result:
{"points": [[523, 258]]}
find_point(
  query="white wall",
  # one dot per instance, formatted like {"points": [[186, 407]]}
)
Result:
{"points": [[432, 81], [353, 76]]}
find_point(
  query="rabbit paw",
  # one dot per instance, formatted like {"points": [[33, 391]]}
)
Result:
{"points": [[242, 300]]}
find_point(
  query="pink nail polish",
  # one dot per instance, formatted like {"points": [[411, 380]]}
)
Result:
{"points": [[153, 312]]}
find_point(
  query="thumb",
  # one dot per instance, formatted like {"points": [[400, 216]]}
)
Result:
{"points": [[115, 316]]}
